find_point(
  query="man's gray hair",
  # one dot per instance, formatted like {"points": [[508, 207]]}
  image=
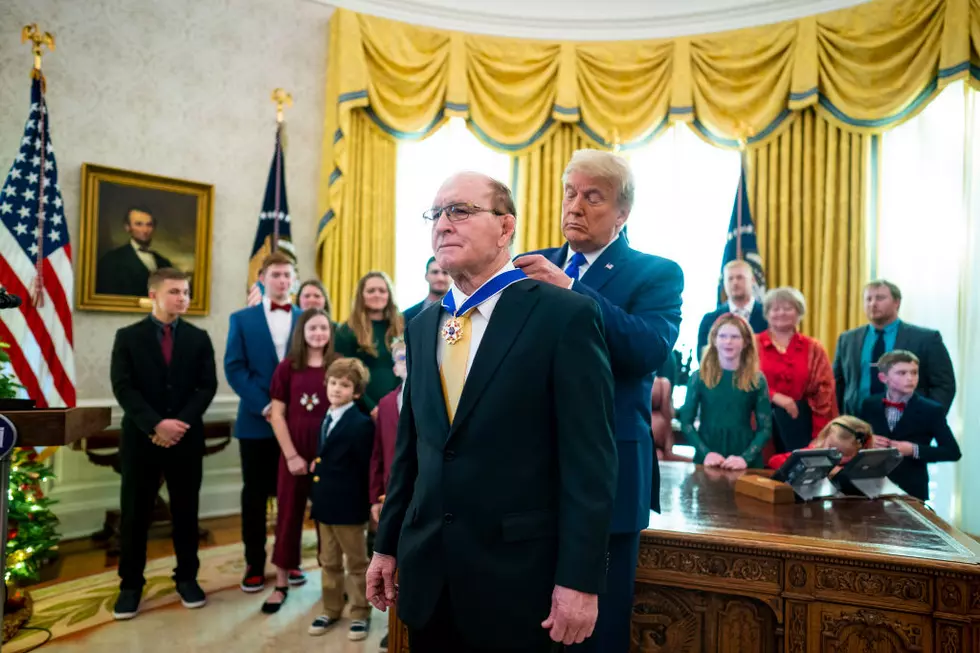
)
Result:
{"points": [[608, 166]]}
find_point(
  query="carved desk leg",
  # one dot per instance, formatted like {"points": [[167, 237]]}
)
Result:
{"points": [[797, 617]]}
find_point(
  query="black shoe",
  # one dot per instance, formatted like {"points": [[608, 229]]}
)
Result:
{"points": [[272, 608], [127, 605], [383, 647], [191, 594], [253, 581]]}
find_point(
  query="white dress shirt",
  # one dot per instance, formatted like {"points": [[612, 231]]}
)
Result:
{"points": [[145, 256], [280, 324], [590, 258], [401, 396], [479, 318], [745, 312], [335, 413]]}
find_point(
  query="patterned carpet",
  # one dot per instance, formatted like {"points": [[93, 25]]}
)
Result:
{"points": [[75, 606]]}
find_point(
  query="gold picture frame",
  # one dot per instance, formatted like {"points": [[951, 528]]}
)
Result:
{"points": [[132, 222]]}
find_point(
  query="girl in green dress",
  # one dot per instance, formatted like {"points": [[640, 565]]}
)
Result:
{"points": [[728, 390], [374, 324]]}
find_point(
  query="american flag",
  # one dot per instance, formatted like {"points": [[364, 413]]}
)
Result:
{"points": [[35, 264]]}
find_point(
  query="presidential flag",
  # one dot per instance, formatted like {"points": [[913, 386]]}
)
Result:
{"points": [[273, 231], [35, 265], [741, 243]]}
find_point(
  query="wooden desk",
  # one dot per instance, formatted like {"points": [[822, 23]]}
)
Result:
{"points": [[720, 572]]}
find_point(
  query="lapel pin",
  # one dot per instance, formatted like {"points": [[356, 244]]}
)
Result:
{"points": [[609, 266]]}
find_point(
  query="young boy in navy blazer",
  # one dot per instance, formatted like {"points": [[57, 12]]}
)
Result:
{"points": [[911, 423], [258, 339], [340, 499]]}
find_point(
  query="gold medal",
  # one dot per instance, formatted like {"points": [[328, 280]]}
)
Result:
{"points": [[452, 331]]}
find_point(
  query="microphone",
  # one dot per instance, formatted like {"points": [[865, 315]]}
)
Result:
{"points": [[7, 300]]}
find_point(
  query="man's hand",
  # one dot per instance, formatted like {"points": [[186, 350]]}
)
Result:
{"points": [[161, 441], [787, 404], [572, 617], [376, 512], [381, 589], [540, 268], [907, 449], [374, 413], [734, 463], [714, 460], [881, 442], [171, 430]]}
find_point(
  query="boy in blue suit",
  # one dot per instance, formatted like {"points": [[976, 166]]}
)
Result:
{"points": [[911, 423], [258, 339], [639, 296]]}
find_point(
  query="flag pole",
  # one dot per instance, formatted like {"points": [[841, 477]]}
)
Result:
{"points": [[282, 100], [743, 131], [38, 41]]}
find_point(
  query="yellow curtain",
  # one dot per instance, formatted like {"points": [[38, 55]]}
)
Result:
{"points": [[807, 191], [365, 241], [537, 185]]}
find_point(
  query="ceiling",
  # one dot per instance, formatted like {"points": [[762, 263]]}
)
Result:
{"points": [[601, 20]]}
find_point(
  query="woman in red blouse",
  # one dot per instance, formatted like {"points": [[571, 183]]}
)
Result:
{"points": [[798, 371]]}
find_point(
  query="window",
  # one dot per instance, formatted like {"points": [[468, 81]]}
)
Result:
{"points": [[422, 167], [685, 190]]}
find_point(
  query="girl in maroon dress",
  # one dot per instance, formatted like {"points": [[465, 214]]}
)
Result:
{"points": [[299, 404]]}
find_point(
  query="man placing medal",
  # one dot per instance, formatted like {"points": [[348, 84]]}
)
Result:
{"points": [[501, 490]]}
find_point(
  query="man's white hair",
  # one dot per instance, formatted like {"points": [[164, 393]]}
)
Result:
{"points": [[608, 166]]}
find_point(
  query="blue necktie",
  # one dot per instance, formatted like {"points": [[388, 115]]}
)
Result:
{"points": [[578, 259], [324, 430]]}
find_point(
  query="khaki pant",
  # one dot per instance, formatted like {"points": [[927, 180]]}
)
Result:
{"points": [[336, 543]]}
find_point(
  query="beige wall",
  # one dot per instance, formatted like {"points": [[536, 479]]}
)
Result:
{"points": [[178, 88]]}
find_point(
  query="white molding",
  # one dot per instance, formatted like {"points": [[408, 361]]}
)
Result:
{"points": [[223, 408], [617, 20]]}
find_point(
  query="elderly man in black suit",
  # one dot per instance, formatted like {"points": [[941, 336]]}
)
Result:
{"points": [[501, 490], [163, 376], [126, 270], [858, 351]]}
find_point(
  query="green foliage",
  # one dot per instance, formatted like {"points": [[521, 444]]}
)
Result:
{"points": [[8, 385], [32, 538]]}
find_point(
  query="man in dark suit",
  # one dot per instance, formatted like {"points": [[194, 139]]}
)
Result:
{"points": [[854, 372], [739, 287], [438, 280], [126, 270], [258, 340], [908, 422], [501, 491], [640, 299], [163, 376]]}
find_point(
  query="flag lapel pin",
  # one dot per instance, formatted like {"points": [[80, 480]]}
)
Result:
{"points": [[609, 266]]}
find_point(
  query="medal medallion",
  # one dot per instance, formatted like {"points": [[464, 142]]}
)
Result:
{"points": [[452, 331]]}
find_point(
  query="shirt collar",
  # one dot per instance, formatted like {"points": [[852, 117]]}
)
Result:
{"points": [[160, 325], [592, 256], [336, 412], [748, 307], [486, 308], [904, 399], [136, 246], [890, 329]]}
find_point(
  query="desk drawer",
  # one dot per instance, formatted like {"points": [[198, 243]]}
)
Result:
{"points": [[698, 568], [859, 586]]}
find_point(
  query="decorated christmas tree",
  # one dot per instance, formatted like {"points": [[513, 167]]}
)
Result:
{"points": [[31, 536]]}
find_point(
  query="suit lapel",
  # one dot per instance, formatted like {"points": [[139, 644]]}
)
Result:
{"points": [[607, 265], [427, 395], [261, 328], [901, 337], [857, 364], [559, 256], [908, 418], [149, 335], [506, 322]]}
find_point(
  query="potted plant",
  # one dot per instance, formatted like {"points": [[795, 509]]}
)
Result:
{"points": [[9, 386]]}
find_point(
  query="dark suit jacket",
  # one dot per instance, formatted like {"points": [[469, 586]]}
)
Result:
{"points": [[149, 391], [756, 320], [922, 422], [250, 360], [340, 478], [516, 495], [412, 311], [936, 380], [640, 299], [385, 433], [121, 272]]}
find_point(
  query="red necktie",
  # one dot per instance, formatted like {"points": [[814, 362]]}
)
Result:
{"points": [[167, 343], [900, 405], [279, 307]]}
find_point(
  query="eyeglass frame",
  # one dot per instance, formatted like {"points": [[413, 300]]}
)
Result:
{"points": [[433, 214]]}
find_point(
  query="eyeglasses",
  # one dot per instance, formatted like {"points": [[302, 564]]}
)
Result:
{"points": [[457, 212]]}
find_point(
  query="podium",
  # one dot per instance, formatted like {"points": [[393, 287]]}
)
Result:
{"points": [[44, 428]]}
